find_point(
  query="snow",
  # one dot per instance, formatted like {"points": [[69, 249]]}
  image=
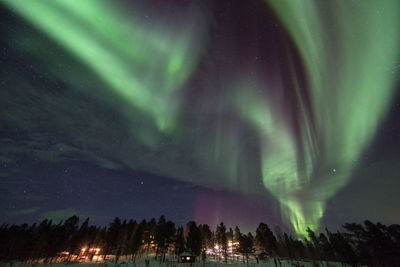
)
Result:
{"points": [[152, 263]]}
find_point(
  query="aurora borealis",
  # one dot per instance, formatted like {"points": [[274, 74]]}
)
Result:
{"points": [[279, 110]]}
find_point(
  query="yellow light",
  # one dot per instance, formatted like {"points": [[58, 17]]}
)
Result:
{"points": [[187, 258], [84, 249]]}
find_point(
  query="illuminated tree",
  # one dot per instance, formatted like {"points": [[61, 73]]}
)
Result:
{"points": [[237, 234], [206, 236], [222, 239]]}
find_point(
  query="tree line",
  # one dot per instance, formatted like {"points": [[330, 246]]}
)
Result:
{"points": [[356, 244]]}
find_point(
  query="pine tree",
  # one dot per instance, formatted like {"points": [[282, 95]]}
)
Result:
{"points": [[163, 236], [193, 240], [179, 242], [237, 234], [206, 237], [136, 241], [246, 246], [266, 240], [112, 237], [222, 240]]}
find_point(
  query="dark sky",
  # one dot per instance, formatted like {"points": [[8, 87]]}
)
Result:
{"points": [[241, 111]]}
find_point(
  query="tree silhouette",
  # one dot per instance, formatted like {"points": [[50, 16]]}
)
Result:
{"points": [[193, 240], [343, 250], [222, 240], [246, 246], [326, 249], [112, 238], [266, 240], [163, 236], [372, 244], [206, 237], [136, 241], [179, 242], [237, 234]]}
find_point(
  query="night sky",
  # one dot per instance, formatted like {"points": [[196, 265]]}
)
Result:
{"points": [[281, 111]]}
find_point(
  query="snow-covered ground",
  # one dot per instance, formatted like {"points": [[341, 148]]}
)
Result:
{"points": [[152, 263]]}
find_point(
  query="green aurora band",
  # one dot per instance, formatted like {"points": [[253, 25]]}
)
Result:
{"points": [[152, 67], [347, 48]]}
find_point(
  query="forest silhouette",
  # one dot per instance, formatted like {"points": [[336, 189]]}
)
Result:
{"points": [[357, 244]]}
